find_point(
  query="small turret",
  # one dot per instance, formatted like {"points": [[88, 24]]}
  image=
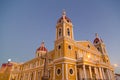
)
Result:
{"points": [[97, 40], [42, 50], [99, 44]]}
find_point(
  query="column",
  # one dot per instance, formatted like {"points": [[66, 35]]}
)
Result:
{"points": [[84, 71], [101, 77], [103, 74], [66, 72], [29, 76], [63, 71], [96, 75], [54, 73], [35, 76], [108, 74], [23, 76], [90, 72], [79, 74], [63, 29], [76, 71]]}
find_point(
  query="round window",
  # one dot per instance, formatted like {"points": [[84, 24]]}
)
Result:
{"points": [[58, 71], [71, 71]]}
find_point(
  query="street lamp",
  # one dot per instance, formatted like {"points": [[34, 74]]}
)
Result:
{"points": [[117, 68], [115, 65]]}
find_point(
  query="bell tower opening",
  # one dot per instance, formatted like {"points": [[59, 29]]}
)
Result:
{"points": [[68, 31]]}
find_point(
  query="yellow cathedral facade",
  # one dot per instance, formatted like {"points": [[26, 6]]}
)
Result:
{"points": [[69, 60]]}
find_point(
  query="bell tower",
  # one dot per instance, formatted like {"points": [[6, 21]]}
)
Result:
{"points": [[64, 49], [99, 44], [64, 36], [64, 27]]}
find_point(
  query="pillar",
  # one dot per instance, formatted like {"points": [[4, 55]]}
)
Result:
{"points": [[108, 74], [66, 72], [63, 71], [54, 73], [96, 75], [103, 73], [35, 76], [101, 77], [76, 72], [29, 76], [84, 71], [79, 74], [90, 72]]}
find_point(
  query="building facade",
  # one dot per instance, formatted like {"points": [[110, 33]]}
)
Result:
{"points": [[69, 60]]}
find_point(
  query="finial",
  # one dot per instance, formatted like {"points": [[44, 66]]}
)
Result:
{"points": [[43, 41], [96, 34], [42, 44], [9, 60], [64, 12]]}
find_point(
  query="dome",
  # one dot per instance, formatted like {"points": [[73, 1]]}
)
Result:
{"points": [[97, 39], [61, 19], [42, 47], [64, 17]]}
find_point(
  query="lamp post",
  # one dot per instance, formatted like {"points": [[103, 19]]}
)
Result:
{"points": [[117, 68]]}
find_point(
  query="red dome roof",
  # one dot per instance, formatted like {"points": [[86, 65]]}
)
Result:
{"points": [[63, 17], [97, 39], [42, 47]]}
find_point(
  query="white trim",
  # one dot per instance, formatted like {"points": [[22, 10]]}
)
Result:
{"points": [[64, 29], [72, 33], [65, 58], [76, 72], [84, 70], [90, 71], [65, 63], [63, 71], [67, 71], [54, 73]]}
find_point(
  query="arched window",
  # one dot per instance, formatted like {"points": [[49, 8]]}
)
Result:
{"points": [[60, 32], [59, 47], [69, 47], [68, 31]]}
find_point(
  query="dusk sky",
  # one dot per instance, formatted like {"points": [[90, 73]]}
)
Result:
{"points": [[24, 24]]}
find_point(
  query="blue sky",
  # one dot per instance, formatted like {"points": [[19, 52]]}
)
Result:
{"points": [[24, 24]]}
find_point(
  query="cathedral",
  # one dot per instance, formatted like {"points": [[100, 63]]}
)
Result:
{"points": [[69, 60]]}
